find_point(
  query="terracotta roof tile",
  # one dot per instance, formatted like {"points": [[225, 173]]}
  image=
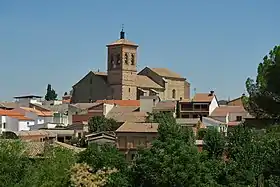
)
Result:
{"points": [[9, 113], [224, 110], [38, 112], [203, 97], [164, 72], [145, 82], [165, 105], [138, 127], [127, 113], [121, 102]]}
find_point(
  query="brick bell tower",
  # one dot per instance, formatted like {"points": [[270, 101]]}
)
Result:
{"points": [[121, 68]]}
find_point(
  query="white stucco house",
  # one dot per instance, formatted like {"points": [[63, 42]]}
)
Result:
{"points": [[14, 121], [38, 116]]}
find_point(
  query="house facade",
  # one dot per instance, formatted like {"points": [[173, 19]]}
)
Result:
{"points": [[13, 121], [202, 105], [130, 136]]}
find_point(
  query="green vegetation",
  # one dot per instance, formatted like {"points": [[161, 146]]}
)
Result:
{"points": [[244, 158], [100, 124], [264, 93], [51, 94]]}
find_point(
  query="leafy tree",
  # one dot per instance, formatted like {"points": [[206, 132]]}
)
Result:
{"points": [[173, 159], [52, 170], [99, 156], [201, 133], [13, 163], [100, 123], [82, 175], [107, 156], [8, 135], [157, 117], [214, 143], [264, 93], [51, 94]]}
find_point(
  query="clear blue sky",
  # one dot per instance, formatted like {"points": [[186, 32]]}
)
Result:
{"points": [[216, 44]]}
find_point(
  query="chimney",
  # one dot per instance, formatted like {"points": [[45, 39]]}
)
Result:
{"points": [[211, 93]]}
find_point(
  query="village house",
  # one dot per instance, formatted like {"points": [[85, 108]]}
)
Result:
{"points": [[13, 121], [202, 105], [122, 82], [131, 135]]}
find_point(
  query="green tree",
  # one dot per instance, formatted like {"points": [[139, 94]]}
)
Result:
{"points": [[52, 170], [14, 164], [100, 123], [264, 93], [99, 156], [173, 159], [51, 94], [214, 143], [107, 156]]}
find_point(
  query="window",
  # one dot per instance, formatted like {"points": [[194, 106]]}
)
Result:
{"points": [[173, 93], [238, 118], [27, 123], [132, 59], [4, 125], [118, 59], [128, 89], [126, 58]]}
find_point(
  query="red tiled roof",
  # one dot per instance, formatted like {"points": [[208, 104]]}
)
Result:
{"points": [[224, 110], [203, 97], [138, 127], [14, 114], [121, 102], [38, 112]]}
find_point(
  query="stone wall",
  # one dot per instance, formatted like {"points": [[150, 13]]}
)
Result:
{"points": [[91, 87]]}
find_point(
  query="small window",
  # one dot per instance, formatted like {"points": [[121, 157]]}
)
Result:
{"points": [[126, 58], [27, 123], [173, 93], [118, 59], [128, 89], [238, 118], [4, 125], [132, 59]]}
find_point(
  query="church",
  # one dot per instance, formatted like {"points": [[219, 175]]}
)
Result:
{"points": [[123, 82]]}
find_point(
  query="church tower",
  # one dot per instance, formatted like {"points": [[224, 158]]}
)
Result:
{"points": [[121, 68]]}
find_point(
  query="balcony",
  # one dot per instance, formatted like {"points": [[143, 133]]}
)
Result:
{"points": [[195, 108]]}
